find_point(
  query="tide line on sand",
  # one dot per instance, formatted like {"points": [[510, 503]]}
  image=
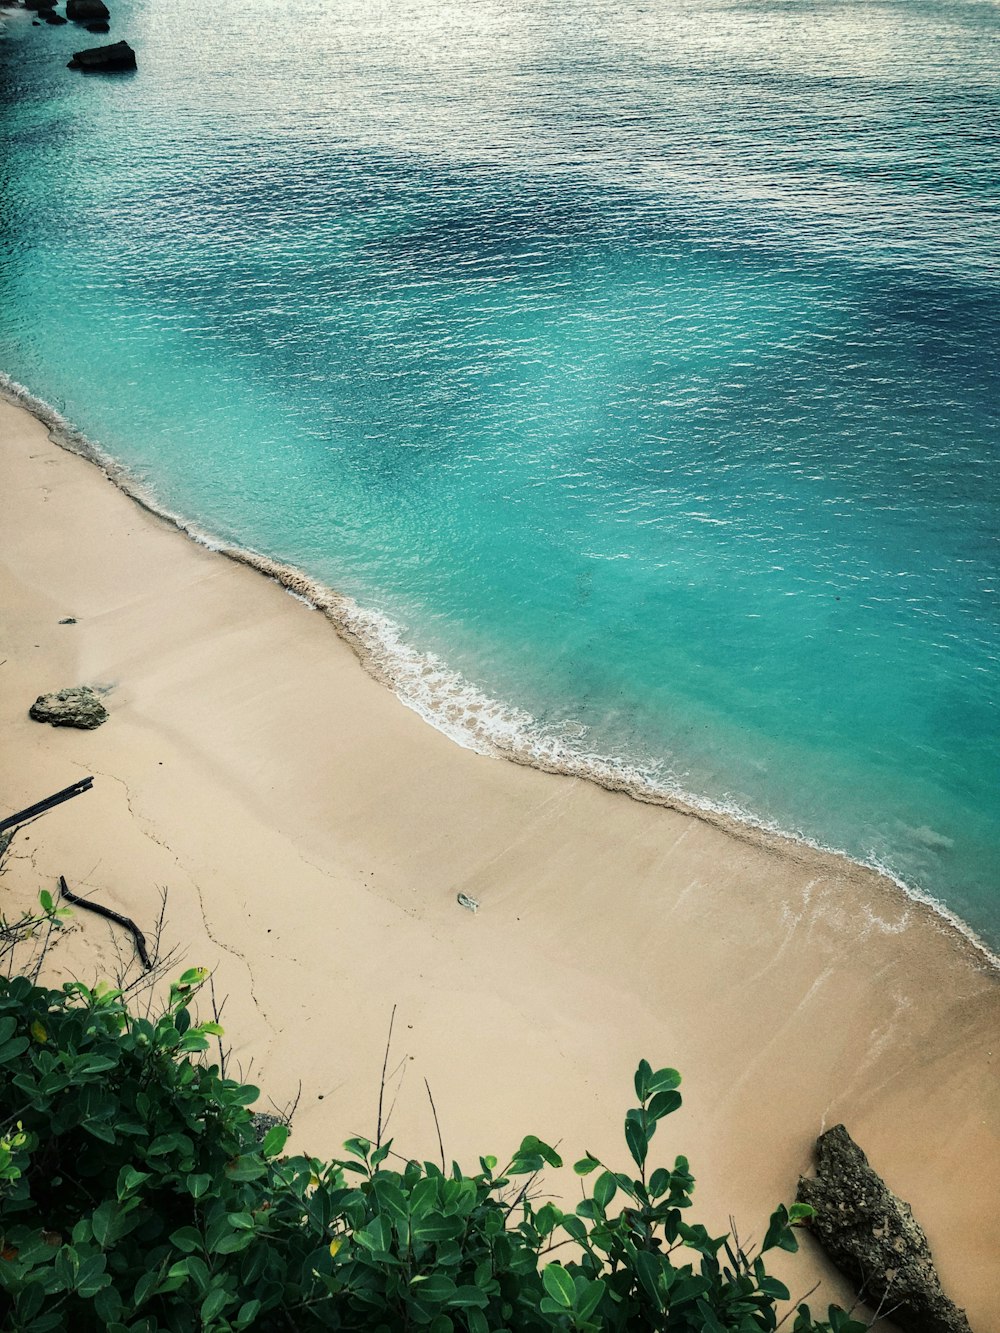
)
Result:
{"points": [[455, 706]]}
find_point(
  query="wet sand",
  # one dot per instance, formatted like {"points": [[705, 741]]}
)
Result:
{"points": [[314, 834]]}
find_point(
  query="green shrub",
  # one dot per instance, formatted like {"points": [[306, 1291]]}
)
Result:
{"points": [[134, 1196]]}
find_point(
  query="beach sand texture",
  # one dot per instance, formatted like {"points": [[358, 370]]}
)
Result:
{"points": [[314, 835]]}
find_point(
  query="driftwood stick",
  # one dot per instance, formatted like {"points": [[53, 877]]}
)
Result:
{"points": [[126, 921], [40, 807]]}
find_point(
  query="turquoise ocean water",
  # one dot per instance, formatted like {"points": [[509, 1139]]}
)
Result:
{"points": [[632, 364]]}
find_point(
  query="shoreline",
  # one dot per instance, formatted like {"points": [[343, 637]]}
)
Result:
{"points": [[358, 628], [314, 836]]}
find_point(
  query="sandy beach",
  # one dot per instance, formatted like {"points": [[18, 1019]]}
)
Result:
{"points": [[314, 834]]}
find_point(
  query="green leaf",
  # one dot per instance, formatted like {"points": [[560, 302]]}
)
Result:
{"points": [[194, 976], [391, 1199], [108, 1305], [588, 1298], [246, 1167], [642, 1077], [214, 1303], [30, 1300], [109, 1224], [559, 1284], [664, 1103], [91, 1276], [637, 1142], [437, 1287], [605, 1188], [198, 1184], [664, 1080], [709, 1322], [534, 1147], [778, 1232], [144, 1288], [274, 1140], [376, 1236], [585, 1165], [468, 1298], [659, 1182], [10, 1050], [435, 1228], [649, 1267], [248, 1312], [129, 1181], [187, 1240]]}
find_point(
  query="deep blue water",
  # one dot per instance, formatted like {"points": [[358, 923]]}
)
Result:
{"points": [[635, 365]]}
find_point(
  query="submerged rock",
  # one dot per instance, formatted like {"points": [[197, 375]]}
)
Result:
{"points": [[39, 4], [83, 11], [50, 16], [80, 706], [874, 1238], [104, 59], [99, 27]]}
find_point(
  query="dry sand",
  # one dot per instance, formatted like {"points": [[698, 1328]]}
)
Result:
{"points": [[313, 834]]}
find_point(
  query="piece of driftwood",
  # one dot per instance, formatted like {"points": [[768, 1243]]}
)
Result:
{"points": [[40, 807], [126, 921]]}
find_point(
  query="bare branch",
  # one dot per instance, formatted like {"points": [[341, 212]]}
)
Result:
{"points": [[437, 1123], [381, 1086]]}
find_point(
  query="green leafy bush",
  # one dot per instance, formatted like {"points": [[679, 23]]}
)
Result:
{"points": [[135, 1196]]}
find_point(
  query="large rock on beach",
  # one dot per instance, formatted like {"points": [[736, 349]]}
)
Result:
{"points": [[87, 11], [39, 4], [874, 1238], [80, 706], [104, 59]]}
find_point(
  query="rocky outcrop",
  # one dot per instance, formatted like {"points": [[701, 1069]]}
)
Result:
{"points": [[87, 11], [874, 1238], [39, 4], [81, 706], [104, 59]]}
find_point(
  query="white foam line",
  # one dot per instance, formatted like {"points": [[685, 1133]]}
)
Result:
{"points": [[453, 705]]}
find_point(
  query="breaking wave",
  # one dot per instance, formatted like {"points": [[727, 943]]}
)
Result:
{"points": [[459, 709]]}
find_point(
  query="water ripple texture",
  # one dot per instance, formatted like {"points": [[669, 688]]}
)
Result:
{"points": [[633, 365]]}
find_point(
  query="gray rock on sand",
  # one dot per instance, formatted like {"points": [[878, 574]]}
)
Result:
{"points": [[104, 59], [86, 11], [80, 706], [873, 1237]]}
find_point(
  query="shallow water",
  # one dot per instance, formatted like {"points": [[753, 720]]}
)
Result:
{"points": [[636, 361]]}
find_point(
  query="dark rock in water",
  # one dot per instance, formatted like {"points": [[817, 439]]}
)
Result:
{"points": [[98, 27], [83, 11], [873, 1237], [81, 706], [104, 59], [50, 16], [39, 4]]}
